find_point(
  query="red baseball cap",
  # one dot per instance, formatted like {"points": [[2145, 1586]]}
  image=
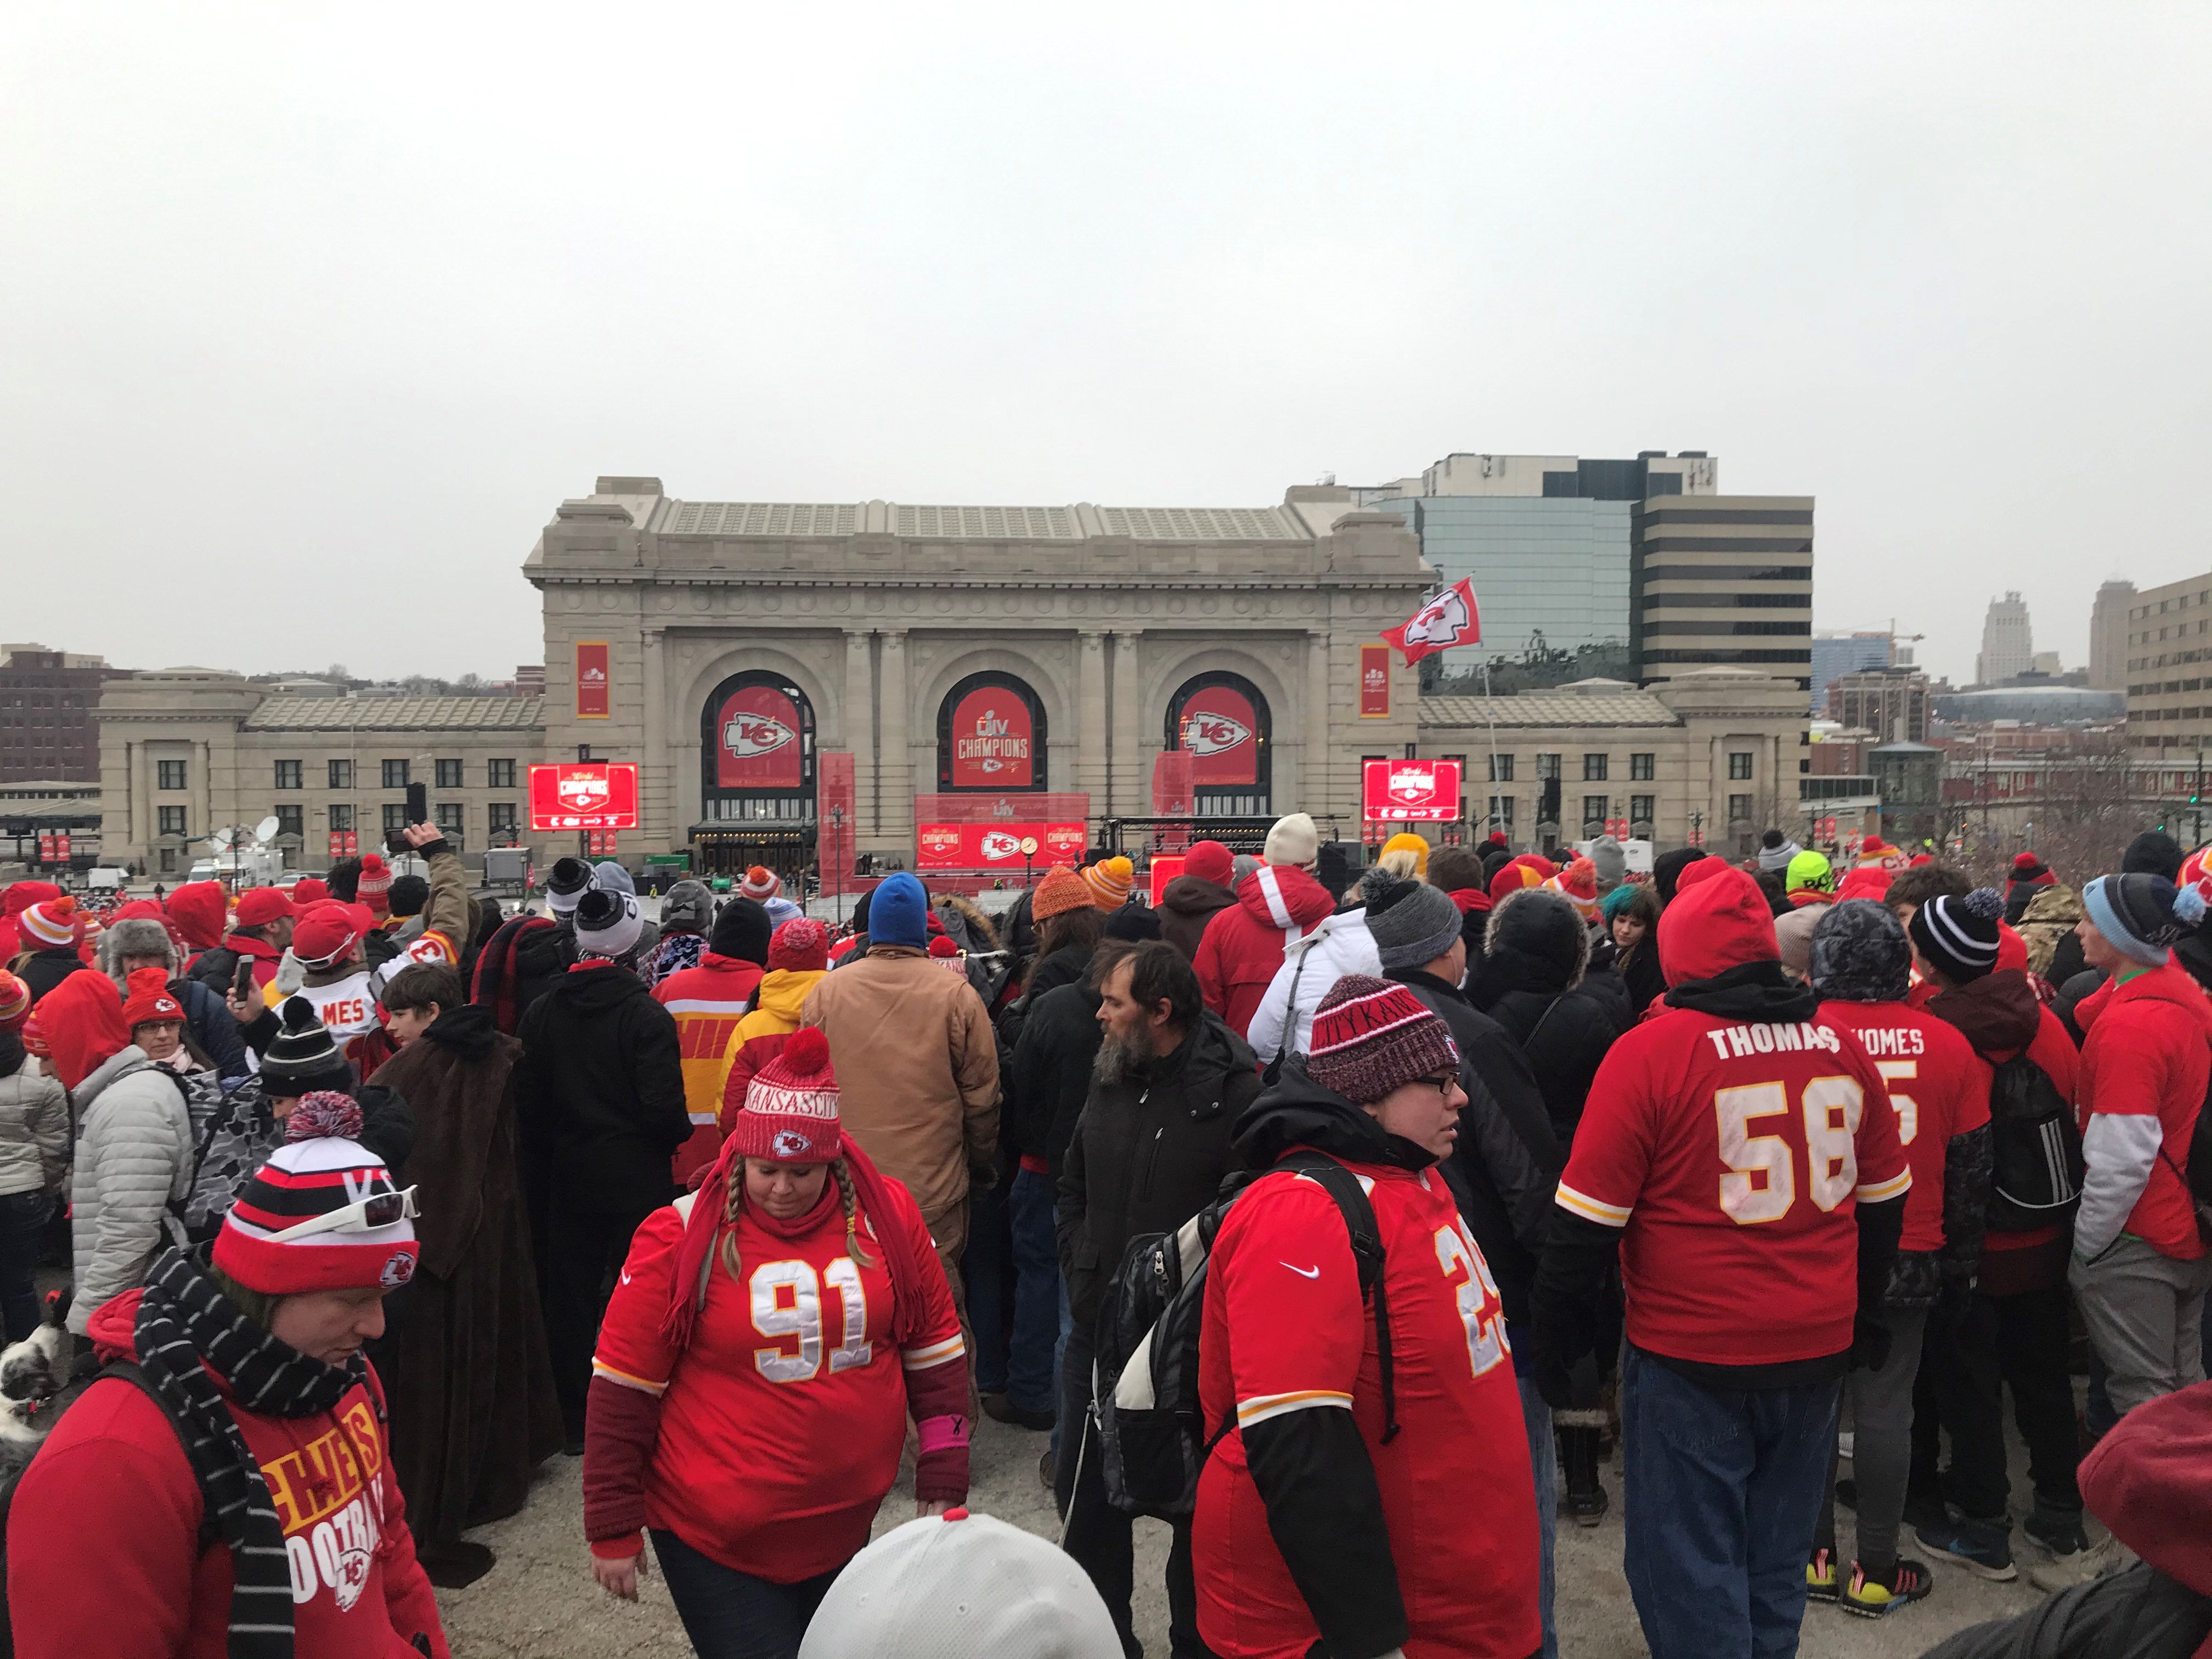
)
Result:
{"points": [[327, 930], [259, 905]]}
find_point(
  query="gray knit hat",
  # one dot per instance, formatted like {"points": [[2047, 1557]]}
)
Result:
{"points": [[1412, 924], [303, 1057], [608, 924], [566, 883], [686, 908], [1610, 860], [1859, 953]]}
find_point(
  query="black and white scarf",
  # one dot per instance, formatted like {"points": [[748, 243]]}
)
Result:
{"points": [[183, 1319]]}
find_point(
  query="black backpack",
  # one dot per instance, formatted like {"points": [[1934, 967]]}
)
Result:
{"points": [[2036, 1149], [1145, 1377], [123, 1370], [2197, 1177]]}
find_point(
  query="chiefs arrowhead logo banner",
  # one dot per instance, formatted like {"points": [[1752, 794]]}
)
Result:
{"points": [[993, 847], [758, 740], [1451, 619]]}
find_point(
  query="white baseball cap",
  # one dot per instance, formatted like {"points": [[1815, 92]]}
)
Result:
{"points": [[959, 1585]]}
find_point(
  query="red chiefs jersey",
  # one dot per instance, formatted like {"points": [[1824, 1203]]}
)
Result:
{"points": [[1285, 1330], [781, 1424], [1939, 1086], [1733, 1154]]}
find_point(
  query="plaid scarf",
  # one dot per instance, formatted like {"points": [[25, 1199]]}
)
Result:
{"points": [[183, 1319]]}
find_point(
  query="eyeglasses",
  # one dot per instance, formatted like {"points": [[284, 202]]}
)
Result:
{"points": [[1443, 1085], [377, 1210]]}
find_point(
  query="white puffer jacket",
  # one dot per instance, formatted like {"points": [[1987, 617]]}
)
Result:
{"points": [[35, 1131], [133, 1156], [1335, 946]]}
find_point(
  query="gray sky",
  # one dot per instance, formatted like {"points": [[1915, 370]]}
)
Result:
{"points": [[309, 315]]}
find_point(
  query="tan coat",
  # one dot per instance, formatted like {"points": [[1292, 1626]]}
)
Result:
{"points": [[917, 1070]]}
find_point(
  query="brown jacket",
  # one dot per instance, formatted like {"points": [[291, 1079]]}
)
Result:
{"points": [[917, 1069]]}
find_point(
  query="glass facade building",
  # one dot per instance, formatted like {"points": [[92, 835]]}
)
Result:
{"points": [[1550, 571]]}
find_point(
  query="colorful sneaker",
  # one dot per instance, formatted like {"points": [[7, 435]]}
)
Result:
{"points": [[1821, 1576], [1982, 1547], [1869, 1598]]}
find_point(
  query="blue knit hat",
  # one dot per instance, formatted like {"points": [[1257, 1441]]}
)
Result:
{"points": [[898, 912], [2141, 915]]}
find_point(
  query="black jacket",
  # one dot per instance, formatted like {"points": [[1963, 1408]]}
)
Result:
{"points": [[1507, 1157], [2140, 1613], [41, 970], [1050, 1074], [1564, 1034], [600, 1091], [211, 1026], [1148, 1153]]}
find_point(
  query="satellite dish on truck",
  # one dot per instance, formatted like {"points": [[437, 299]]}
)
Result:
{"points": [[266, 828]]}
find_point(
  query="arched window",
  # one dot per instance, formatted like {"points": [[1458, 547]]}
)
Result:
{"points": [[757, 745], [990, 737], [1223, 720]]}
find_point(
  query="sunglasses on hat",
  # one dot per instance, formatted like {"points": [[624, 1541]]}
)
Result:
{"points": [[377, 1210]]}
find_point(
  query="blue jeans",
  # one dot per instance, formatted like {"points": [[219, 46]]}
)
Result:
{"points": [[730, 1614], [1031, 1372], [1724, 1496], [23, 1237], [987, 1267], [1543, 1463]]}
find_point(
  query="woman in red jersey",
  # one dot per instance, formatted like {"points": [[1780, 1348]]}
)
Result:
{"points": [[770, 1337]]}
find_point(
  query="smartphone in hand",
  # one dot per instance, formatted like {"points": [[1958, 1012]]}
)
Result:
{"points": [[241, 981]]}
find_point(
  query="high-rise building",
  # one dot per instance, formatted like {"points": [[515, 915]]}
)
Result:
{"points": [[46, 703], [2169, 645], [1723, 581], [2007, 642], [2108, 635], [1890, 702], [1847, 654]]}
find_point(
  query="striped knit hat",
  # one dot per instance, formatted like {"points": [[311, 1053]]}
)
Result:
{"points": [[374, 887], [1958, 936], [790, 1114], [322, 1170], [1577, 885], [1370, 1035], [51, 925], [1110, 881], [761, 884], [15, 997]]}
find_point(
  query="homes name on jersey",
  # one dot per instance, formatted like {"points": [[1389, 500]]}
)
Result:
{"points": [[1893, 1042], [1795, 1036]]}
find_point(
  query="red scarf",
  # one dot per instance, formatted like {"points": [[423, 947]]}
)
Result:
{"points": [[695, 1256]]}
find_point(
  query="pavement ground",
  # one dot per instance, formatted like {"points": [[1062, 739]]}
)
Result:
{"points": [[541, 1602]]}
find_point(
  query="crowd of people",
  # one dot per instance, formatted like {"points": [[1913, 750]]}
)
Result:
{"points": [[1383, 1219]]}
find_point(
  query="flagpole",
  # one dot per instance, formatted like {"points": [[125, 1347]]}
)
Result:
{"points": [[1490, 720]]}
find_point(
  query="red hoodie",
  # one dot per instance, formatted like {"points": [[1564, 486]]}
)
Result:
{"points": [[2146, 1054], [15, 898], [200, 914], [2150, 1480], [102, 1536], [1243, 945]]}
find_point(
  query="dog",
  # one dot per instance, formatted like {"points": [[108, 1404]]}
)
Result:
{"points": [[35, 1384]]}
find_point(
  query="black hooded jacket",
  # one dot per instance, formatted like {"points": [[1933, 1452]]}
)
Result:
{"points": [[598, 1092], [1049, 1074], [1147, 1152], [1530, 981]]}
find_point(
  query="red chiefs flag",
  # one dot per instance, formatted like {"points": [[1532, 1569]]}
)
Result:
{"points": [[1450, 618]]}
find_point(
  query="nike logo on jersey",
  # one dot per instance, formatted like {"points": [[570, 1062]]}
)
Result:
{"points": [[625, 1278], [1734, 1042], [1304, 1273]]}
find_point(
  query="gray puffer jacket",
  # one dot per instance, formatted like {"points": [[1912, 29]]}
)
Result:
{"points": [[35, 1133], [133, 1157]]}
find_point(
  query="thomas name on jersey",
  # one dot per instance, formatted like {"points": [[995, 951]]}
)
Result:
{"points": [[1800, 1036]]}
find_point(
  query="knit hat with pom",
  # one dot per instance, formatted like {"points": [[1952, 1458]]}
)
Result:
{"points": [[51, 924], [150, 1002], [800, 946], [1527, 870], [1578, 883], [1370, 1037], [1061, 891], [2031, 869], [15, 997], [608, 924], [2141, 915], [790, 1114], [1110, 881], [375, 887], [566, 882], [1958, 936], [761, 884], [302, 1058], [321, 1172]]}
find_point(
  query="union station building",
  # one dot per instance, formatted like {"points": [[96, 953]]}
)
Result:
{"points": [[805, 682]]}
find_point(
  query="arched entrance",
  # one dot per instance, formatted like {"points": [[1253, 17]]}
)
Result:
{"points": [[991, 737], [757, 786], [1223, 720]]}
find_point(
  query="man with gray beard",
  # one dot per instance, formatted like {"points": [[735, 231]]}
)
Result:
{"points": [[1149, 1152]]}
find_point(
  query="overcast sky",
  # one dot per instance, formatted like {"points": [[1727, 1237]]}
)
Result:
{"points": [[310, 315]]}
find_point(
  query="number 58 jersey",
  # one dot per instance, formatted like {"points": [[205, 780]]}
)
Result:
{"points": [[1733, 1155]]}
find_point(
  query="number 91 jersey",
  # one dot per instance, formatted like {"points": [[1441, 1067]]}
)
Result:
{"points": [[1734, 1154]]}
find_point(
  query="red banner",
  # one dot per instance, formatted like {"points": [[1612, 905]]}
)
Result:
{"points": [[584, 795], [1171, 797], [837, 826], [594, 682], [46, 849], [1375, 682], [1409, 791], [62, 847], [995, 845], [600, 843], [993, 743], [1221, 731], [757, 741]]}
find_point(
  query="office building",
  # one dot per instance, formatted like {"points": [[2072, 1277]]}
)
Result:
{"points": [[1890, 702], [1723, 581], [46, 702], [1844, 653], [2108, 635], [2007, 642], [2169, 649]]}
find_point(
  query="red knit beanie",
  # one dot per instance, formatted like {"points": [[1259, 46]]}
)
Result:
{"points": [[800, 946], [790, 1114], [150, 1002], [1209, 861], [1372, 1036], [374, 887]]}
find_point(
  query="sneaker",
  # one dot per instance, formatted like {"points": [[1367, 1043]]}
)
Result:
{"points": [[1869, 1598], [2063, 1572], [1821, 1576], [1846, 1442], [1588, 1508], [2057, 1533], [1982, 1547]]}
